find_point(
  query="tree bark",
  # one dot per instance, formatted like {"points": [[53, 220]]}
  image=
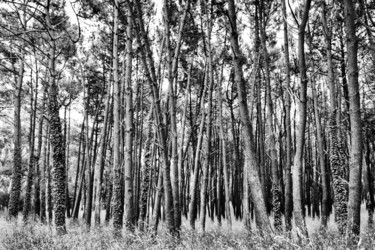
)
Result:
{"points": [[100, 164], [194, 179], [300, 136], [117, 208], [276, 187], [56, 138], [146, 162], [15, 190], [355, 165], [252, 167], [223, 144], [32, 156], [146, 55], [129, 130], [288, 207], [337, 154], [208, 161]]}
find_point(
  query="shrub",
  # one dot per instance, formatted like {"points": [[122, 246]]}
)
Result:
{"points": [[4, 200]]}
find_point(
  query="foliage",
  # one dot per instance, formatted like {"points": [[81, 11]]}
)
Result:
{"points": [[4, 199]]}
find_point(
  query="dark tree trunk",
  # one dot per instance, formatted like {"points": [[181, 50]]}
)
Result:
{"points": [[17, 152], [57, 140]]}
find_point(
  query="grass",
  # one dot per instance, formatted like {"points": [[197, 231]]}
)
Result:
{"points": [[36, 236], [41, 236]]}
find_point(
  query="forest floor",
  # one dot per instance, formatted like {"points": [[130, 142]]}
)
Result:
{"points": [[39, 236]]}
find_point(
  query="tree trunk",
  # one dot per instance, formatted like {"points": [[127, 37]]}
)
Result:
{"points": [[194, 179], [223, 144], [172, 78], [321, 156], [48, 186], [15, 190], [276, 187], [337, 154], [300, 137], [66, 145], [43, 165], [100, 164], [146, 55], [252, 167], [56, 139], [355, 165], [37, 190], [288, 176], [30, 171], [146, 162], [129, 130], [117, 208], [181, 155], [208, 161], [89, 148], [80, 146]]}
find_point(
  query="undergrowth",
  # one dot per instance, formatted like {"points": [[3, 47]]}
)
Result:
{"points": [[40, 236]]}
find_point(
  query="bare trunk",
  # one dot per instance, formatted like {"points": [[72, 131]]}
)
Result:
{"points": [[117, 208], [223, 144], [276, 187], [194, 179], [129, 130], [100, 164], [288, 176], [300, 136], [17, 155], [251, 160], [355, 165], [337, 155]]}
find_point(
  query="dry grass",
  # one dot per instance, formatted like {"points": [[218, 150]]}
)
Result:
{"points": [[40, 236]]}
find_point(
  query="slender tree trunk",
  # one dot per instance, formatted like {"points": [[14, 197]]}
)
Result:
{"points": [[37, 172], [252, 167], [117, 207], [288, 176], [100, 164], [49, 207], [161, 129], [300, 137], [66, 145], [129, 130], [109, 196], [355, 165], [42, 163], [157, 204], [89, 149], [15, 190], [223, 144], [146, 162], [208, 161], [181, 172], [276, 187], [80, 146], [80, 173], [194, 179], [30, 172], [172, 78], [337, 154], [321, 156]]}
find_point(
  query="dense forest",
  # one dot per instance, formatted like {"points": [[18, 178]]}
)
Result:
{"points": [[138, 113]]}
